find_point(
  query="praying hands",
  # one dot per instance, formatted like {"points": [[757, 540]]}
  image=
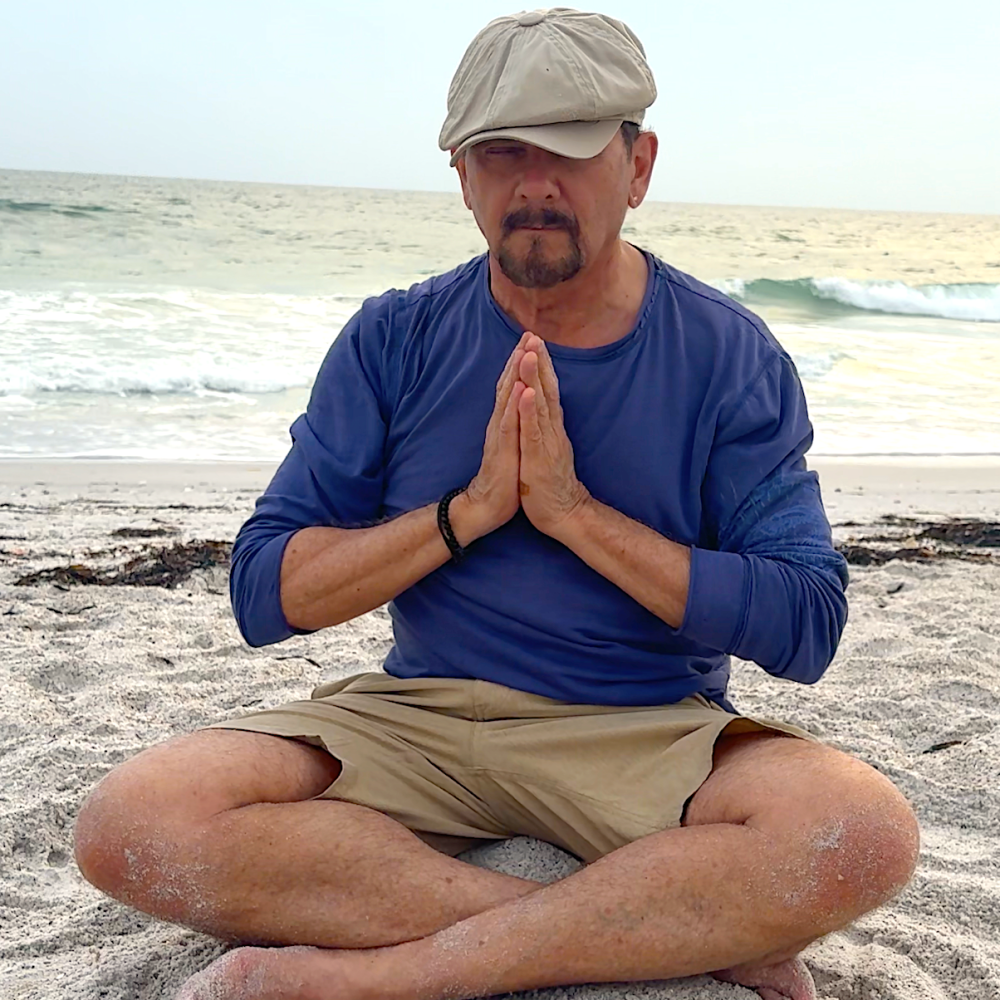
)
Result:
{"points": [[527, 457]]}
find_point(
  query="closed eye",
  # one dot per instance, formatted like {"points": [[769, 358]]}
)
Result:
{"points": [[504, 150]]}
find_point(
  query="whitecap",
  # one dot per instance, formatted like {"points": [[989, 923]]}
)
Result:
{"points": [[975, 302]]}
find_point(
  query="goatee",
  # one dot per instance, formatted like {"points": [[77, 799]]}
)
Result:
{"points": [[535, 269]]}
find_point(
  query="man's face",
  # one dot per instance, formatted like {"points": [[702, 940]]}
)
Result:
{"points": [[545, 216]]}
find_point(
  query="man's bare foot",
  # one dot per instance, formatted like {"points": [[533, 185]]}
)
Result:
{"points": [[789, 980], [280, 974], [317, 974]]}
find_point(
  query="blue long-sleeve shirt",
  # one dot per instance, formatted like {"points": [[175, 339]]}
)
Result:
{"points": [[694, 423]]}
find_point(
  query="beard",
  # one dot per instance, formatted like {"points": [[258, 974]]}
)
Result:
{"points": [[537, 268]]}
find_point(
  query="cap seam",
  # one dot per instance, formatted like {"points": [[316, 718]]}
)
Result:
{"points": [[502, 89], [586, 85]]}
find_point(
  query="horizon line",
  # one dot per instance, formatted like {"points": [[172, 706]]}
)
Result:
{"points": [[457, 194]]}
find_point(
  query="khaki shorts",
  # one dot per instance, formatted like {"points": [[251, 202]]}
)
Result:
{"points": [[463, 761]]}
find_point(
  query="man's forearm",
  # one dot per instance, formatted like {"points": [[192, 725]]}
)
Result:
{"points": [[331, 575], [651, 569]]}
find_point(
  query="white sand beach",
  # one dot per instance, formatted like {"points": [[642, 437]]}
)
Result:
{"points": [[93, 674]]}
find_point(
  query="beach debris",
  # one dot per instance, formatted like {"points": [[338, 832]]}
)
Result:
{"points": [[955, 531], [868, 555], [71, 611], [978, 533], [154, 567], [945, 746], [143, 532], [308, 659], [922, 541]]}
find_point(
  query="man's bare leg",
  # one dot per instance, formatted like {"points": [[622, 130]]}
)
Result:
{"points": [[216, 830], [785, 842]]}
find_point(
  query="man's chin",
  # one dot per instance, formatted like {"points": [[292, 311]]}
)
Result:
{"points": [[536, 274], [536, 269]]}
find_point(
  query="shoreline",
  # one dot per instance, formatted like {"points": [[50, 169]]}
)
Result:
{"points": [[854, 489], [73, 469]]}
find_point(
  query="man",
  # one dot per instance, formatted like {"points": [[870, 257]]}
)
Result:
{"points": [[570, 560]]}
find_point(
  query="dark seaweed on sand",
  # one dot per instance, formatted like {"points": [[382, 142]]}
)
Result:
{"points": [[143, 532], [156, 567], [170, 566], [958, 537], [978, 533]]}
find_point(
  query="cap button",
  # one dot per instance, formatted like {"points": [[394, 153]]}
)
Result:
{"points": [[530, 18]]}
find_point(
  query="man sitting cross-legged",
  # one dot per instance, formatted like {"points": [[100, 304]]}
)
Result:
{"points": [[637, 508]]}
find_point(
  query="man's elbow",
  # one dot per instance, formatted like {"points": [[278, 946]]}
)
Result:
{"points": [[253, 635], [255, 586], [803, 669], [816, 640], [259, 620], [253, 627], [805, 663]]}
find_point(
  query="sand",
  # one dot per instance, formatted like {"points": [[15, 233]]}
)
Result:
{"points": [[91, 675]]}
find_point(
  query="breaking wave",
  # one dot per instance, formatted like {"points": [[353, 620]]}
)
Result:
{"points": [[159, 379], [830, 296], [163, 343]]}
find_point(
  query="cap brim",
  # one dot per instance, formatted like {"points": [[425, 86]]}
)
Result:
{"points": [[577, 140]]}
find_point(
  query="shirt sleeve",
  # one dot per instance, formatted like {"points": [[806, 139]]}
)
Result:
{"points": [[332, 476], [768, 585]]}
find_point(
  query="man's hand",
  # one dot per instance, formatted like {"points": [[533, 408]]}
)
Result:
{"points": [[550, 491], [492, 497]]}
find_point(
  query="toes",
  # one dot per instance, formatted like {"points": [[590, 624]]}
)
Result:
{"points": [[789, 980], [237, 975]]}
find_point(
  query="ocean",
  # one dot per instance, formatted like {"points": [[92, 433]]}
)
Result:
{"points": [[156, 319]]}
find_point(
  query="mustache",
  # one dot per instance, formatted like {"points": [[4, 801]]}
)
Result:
{"points": [[547, 218]]}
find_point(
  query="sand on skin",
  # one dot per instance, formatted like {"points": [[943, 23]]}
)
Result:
{"points": [[92, 675]]}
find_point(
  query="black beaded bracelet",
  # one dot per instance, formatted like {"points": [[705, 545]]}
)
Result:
{"points": [[444, 524]]}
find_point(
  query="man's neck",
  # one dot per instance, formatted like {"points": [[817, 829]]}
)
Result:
{"points": [[596, 307]]}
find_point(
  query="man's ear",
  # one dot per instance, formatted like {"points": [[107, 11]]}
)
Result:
{"points": [[643, 159], [464, 180]]}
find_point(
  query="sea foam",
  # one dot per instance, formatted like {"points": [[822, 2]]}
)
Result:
{"points": [[969, 302], [166, 342], [974, 302]]}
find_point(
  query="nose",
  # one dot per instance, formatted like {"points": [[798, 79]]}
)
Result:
{"points": [[539, 179]]}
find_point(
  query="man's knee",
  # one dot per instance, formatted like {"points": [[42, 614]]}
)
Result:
{"points": [[866, 850], [143, 818], [859, 843], [115, 820], [142, 803], [845, 840]]}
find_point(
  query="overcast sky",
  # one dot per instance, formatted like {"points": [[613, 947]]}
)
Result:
{"points": [[880, 104]]}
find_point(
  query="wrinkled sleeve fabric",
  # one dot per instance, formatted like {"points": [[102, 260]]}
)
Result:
{"points": [[332, 476], [767, 585]]}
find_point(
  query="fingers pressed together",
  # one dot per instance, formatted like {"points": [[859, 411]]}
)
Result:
{"points": [[527, 456]]}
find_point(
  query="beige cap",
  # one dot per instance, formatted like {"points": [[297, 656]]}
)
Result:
{"points": [[561, 79]]}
